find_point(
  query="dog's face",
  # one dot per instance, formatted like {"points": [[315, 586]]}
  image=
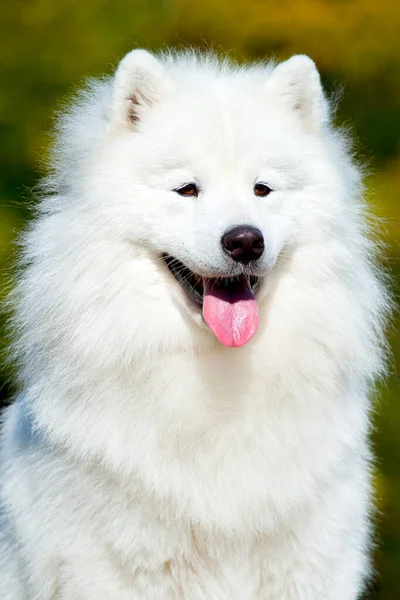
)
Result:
{"points": [[217, 174]]}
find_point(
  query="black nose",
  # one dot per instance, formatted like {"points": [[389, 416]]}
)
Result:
{"points": [[243, 243]]}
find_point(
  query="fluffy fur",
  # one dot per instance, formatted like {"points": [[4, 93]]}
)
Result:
{"points": [[142, 459]]}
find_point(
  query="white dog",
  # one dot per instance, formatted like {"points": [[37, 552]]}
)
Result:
{"points": [[199, 325]]}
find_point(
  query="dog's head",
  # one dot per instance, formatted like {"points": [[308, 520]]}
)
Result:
{"points": [[215, 174]]}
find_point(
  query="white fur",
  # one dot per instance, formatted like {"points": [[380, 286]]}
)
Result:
{"points": [[143, 459]]}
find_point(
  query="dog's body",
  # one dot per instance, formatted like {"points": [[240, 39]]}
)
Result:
{"points": [[144, 459]]}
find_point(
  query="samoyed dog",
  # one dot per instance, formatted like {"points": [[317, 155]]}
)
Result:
{"points": [[199, 325]]}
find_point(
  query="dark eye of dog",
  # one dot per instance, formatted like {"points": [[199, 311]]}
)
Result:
{"points": [[190, 189], [261, 189]]}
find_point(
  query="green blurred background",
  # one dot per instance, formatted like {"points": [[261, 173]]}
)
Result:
{"points": [[48, 48]]}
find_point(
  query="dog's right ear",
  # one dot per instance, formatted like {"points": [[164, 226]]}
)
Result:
{"points": [[140, 80]]}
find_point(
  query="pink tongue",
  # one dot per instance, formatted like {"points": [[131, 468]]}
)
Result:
{"points": [[232, 313]]}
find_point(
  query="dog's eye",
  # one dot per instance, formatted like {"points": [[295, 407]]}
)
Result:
{"points": [[190, 189], [262, 189]]}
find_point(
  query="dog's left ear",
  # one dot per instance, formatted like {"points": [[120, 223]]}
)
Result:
{"points": [[297, 84], [139, 82]]}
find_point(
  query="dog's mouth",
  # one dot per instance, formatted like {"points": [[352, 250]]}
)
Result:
{"points": [[228, 303]]}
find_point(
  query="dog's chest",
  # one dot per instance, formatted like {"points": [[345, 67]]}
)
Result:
{"points": [[221, 575], [231, 577], [181, 562]]}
